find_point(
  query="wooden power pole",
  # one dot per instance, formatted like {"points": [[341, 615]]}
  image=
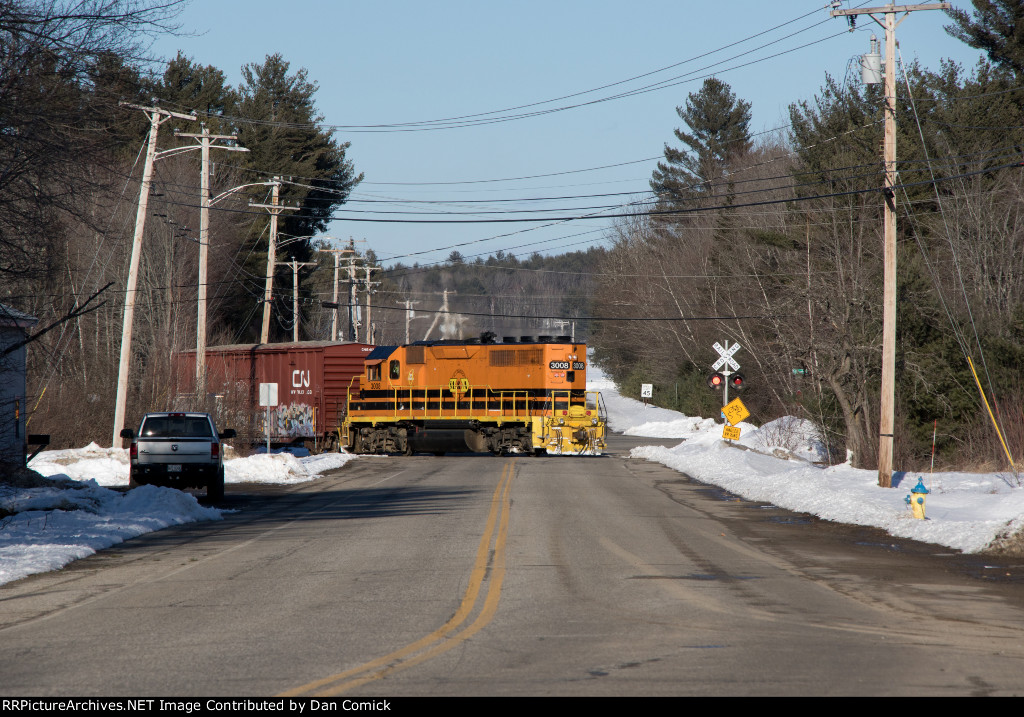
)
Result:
{"points": [[206, 141], [887, 422], [295, 293], [368, 333], [337, 265], [275, 209], [157, 117], [409, 313]]}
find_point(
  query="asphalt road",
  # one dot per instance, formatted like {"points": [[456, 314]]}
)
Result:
{"points": [[477, 575]]}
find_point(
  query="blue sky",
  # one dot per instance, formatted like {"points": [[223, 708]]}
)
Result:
{"points": [[403, 61]]}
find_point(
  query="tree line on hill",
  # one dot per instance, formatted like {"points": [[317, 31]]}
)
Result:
{"points": [[539, 295]]}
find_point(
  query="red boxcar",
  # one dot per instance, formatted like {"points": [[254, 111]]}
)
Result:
{"points": [[313, 380]]}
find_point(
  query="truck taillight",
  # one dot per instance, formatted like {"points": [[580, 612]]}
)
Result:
{"points": [[133, 450], [214, 450]]}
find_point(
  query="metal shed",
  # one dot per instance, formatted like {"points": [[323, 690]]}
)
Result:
{"points": [[14, 328]]}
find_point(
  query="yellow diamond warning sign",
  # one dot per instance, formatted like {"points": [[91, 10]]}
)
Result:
{"points": [[735, 411]]}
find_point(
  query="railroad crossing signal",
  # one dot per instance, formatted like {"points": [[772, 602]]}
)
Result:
{"points": [[730, 376], [726, 357]]}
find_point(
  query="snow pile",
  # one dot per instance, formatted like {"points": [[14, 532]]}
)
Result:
{"points": [[46, 527], [109, 466], [782, 463], [54, 526]]}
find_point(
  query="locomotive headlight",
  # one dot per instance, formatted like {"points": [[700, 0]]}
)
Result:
{"points": [[593, 421], [561, 421]]}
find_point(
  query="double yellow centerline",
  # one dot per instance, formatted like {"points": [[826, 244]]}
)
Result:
{"points": [[489, 567]]}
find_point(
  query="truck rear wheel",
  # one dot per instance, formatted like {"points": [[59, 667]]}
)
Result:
{"points": [[215, 488]]}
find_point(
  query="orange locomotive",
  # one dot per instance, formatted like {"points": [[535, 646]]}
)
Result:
{"points": [[527, 395]]}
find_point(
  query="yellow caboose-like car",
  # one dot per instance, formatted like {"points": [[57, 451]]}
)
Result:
{"points": [[524, 395]]}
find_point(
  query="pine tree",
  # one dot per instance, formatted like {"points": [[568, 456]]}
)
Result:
{"points": [[283, 131], [997, 28], [190, 87], [278, 122], [720, 127]]}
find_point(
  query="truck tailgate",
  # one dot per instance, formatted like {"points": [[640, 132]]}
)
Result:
{"points": [[174, 450]]}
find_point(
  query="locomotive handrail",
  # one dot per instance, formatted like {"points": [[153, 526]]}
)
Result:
{"points": [[403, 404], [602, 407], [412, 402], [422, 402]]}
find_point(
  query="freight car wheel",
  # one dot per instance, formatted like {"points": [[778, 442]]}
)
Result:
{"points": [[540, 452]]}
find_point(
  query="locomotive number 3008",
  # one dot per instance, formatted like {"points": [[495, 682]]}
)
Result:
{"points": [[564, 365]]}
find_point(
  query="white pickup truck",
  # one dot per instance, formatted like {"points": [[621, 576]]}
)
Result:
{"points": [[180, 450]]}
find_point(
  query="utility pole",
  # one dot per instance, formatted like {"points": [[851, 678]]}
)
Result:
{"points": [[437, 316], [337, 266], [408, 317], [349, 251], [295, 292], [562, 323], [353, 328], [157, 117], [887, 421], [274, 210], [205, 140], [369, 292]]}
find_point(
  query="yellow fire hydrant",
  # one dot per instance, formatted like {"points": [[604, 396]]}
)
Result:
{"points": [[916, 499]]}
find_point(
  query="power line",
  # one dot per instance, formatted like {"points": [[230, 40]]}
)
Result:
{"points": [[624, 215], [497, 116]]}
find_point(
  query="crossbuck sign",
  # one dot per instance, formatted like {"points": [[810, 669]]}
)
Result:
{"points": [[726, 358]]}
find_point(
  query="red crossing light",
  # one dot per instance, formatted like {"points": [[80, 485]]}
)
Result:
{"points": [[716, 380]]}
